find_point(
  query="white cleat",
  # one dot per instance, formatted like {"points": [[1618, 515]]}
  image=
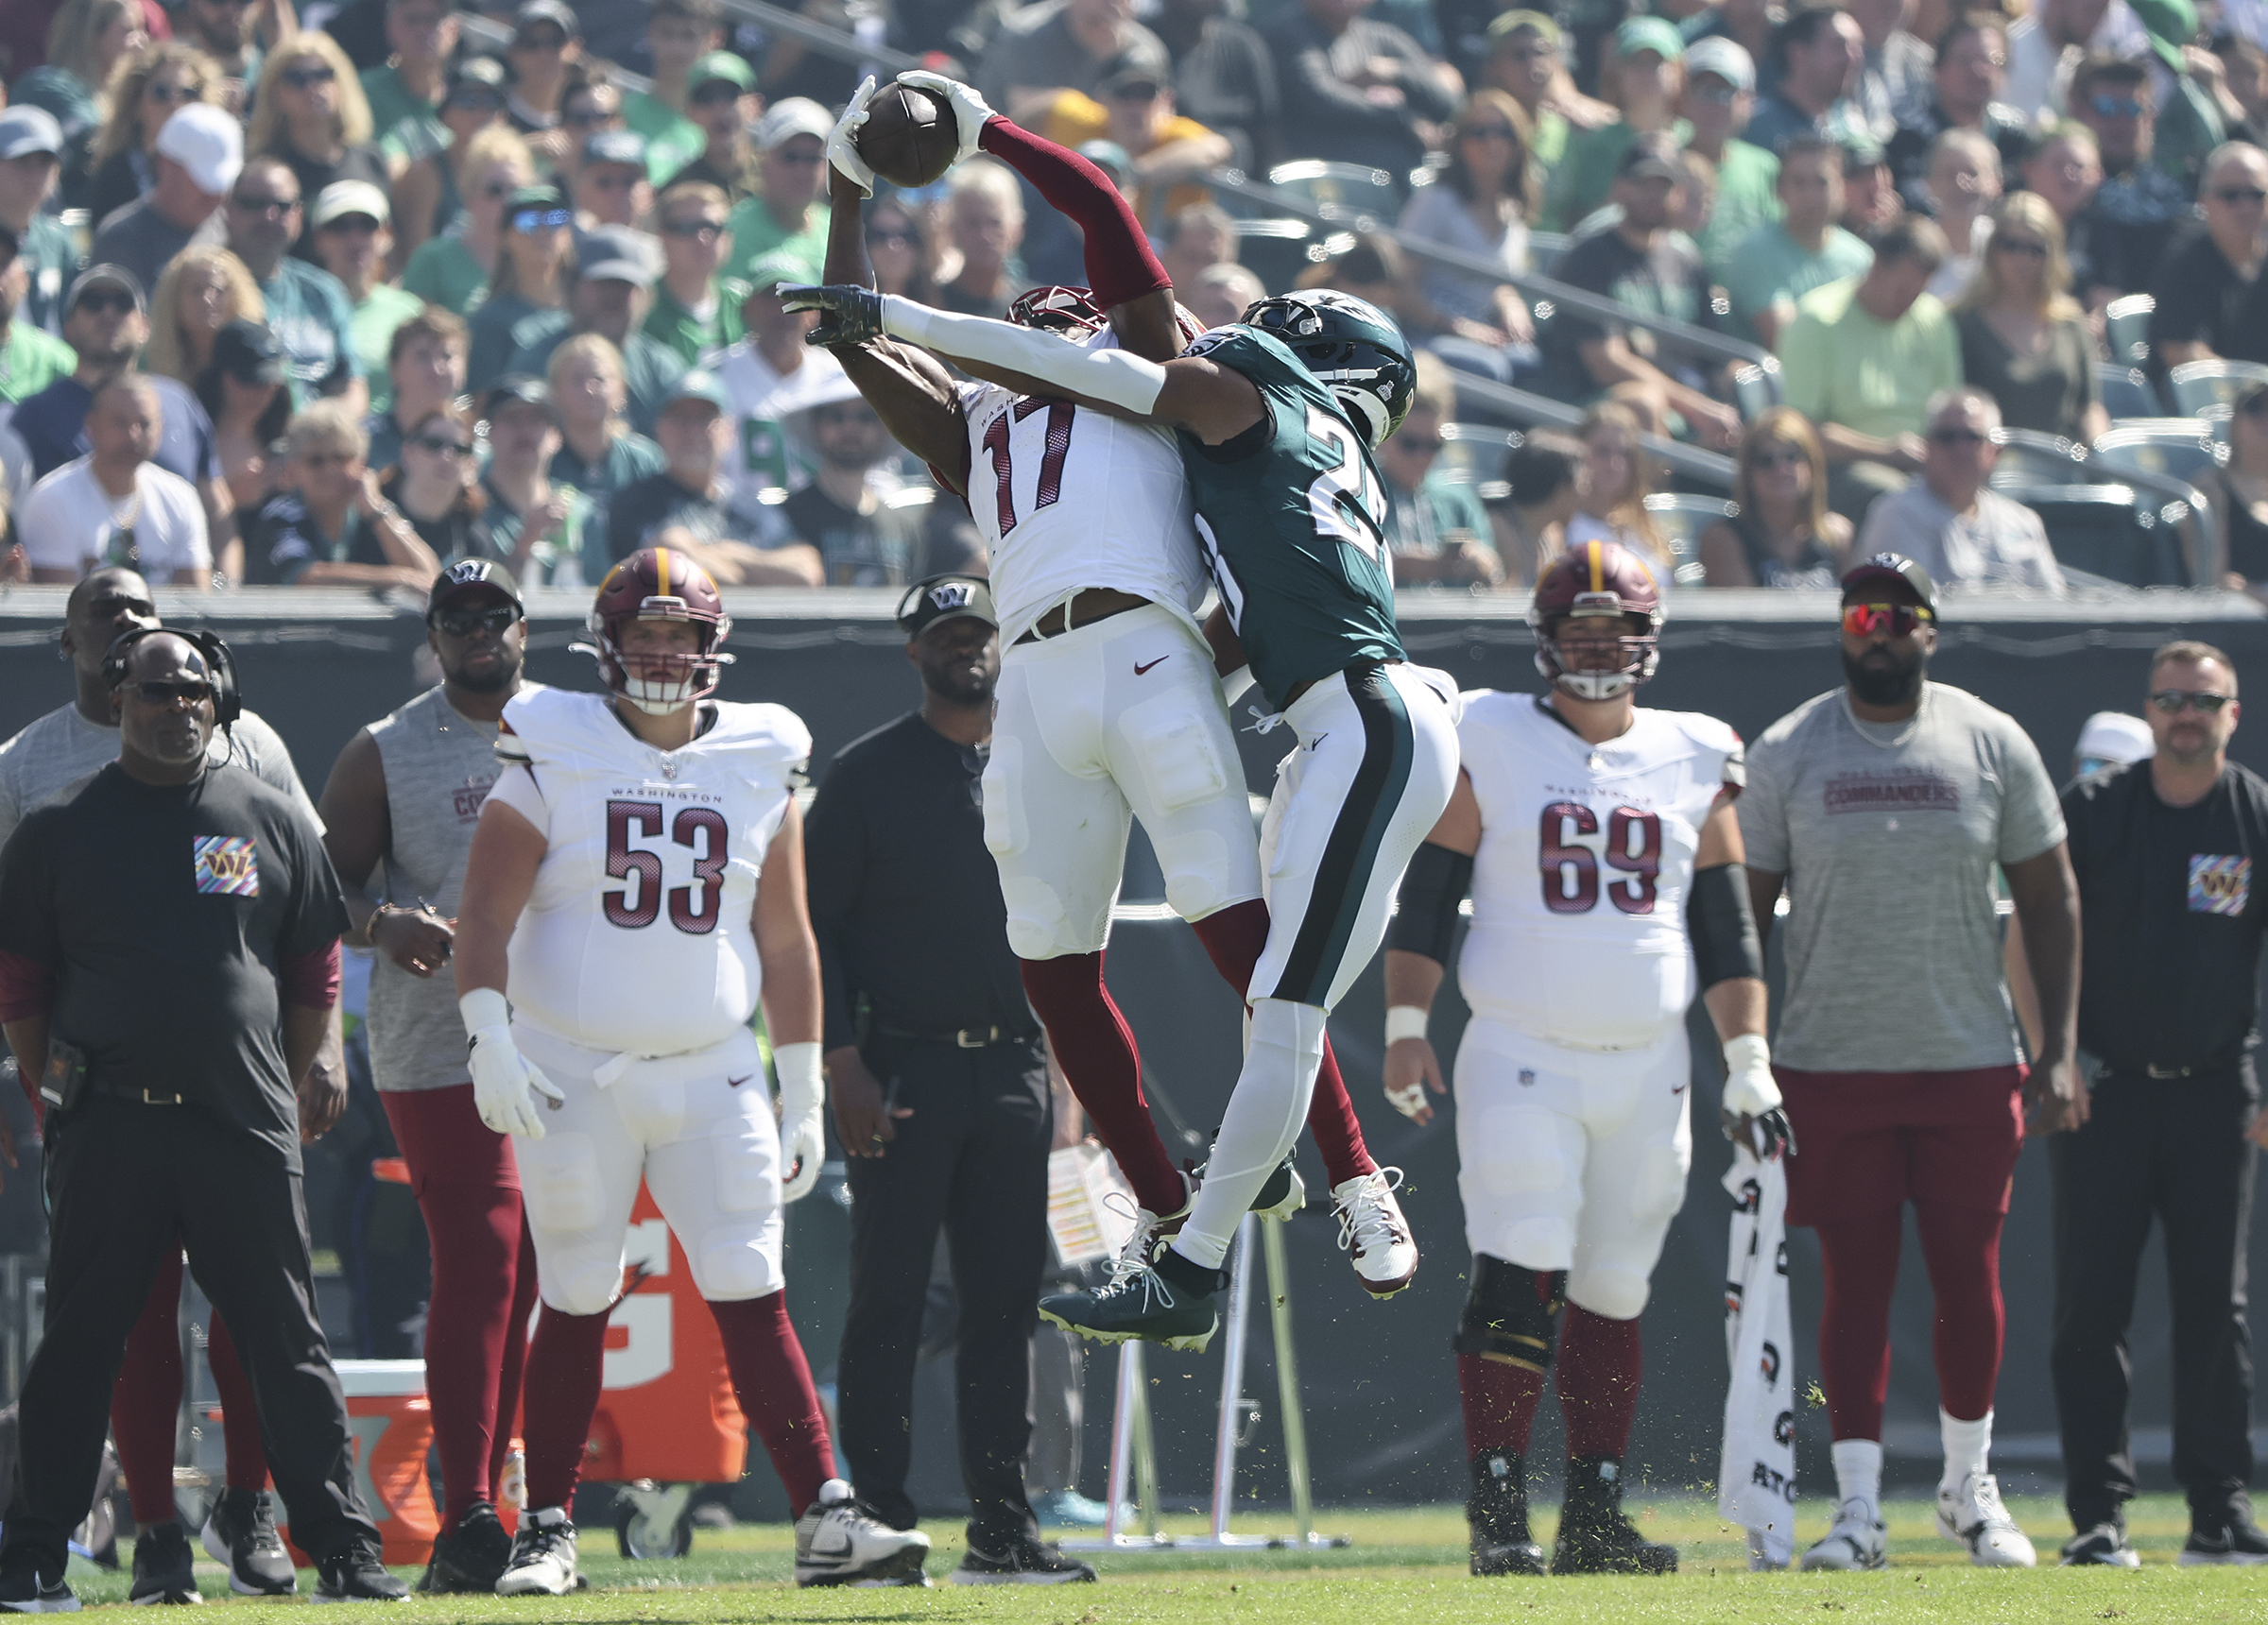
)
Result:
{"points": [[840, 1542], [542, 1561], [1373, 1233], [1857, 1541], [1973, 1516]]}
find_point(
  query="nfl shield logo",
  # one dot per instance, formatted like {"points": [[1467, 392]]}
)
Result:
{"points": [[1527, 1077]]}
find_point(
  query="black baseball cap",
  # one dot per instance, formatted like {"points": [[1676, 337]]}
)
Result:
{"points": [[517, 386], [945, 598], [1888, 567], [467, 574], [246, 350]]}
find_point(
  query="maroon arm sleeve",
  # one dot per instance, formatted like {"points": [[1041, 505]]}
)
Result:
{"points": [[26, 989], [1120, 267], [310, 981]]}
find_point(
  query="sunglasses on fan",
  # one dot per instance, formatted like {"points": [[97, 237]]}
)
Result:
{"points": [[1900, 620]]}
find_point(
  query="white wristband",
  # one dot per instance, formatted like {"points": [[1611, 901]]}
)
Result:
{"points": [[1405, 1021], [798, 1066], [1236, 682], [484, 1007], [1747, 1053]]}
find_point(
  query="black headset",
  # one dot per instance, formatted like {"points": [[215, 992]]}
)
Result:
{"points": [[228, 700]]}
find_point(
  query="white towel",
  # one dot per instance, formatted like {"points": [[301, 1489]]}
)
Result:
{"points": [[1756, 1479]]}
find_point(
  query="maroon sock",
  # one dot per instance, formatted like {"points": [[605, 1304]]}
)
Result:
{"points": [[1095, 1048], [515, 1362], [566, 1359], [1598, 1367], [147, 1398], [1962, 1247], [1858, 1260], [239, 1411], [1500, 1403], [772, 1381], [1234, 937], [1120, 267]]}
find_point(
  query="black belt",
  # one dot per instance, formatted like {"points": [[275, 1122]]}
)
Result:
{"points": [[1069, 617], [118, 1091], [964, 1037]]}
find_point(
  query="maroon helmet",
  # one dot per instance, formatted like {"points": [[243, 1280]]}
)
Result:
{"points": [[660, 584], [1073, 312], [1598, 578]]}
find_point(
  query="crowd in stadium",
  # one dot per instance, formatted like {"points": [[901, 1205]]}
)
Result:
{"points": [[390, 285]]}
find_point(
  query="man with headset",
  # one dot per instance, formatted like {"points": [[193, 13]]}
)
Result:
{"points": [[169, 958]]}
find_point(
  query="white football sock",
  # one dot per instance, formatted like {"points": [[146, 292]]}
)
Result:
{"points": [[1263, 1119], [1967, 1445], [1859, 1473]]}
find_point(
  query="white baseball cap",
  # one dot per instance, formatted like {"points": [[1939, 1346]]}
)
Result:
{"points": [[349, 197], [2113, 737], [207, 143], [1726, 59]]}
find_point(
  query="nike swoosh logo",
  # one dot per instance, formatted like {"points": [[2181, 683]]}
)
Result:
{"points": [[840, 1551], [1139, 670], [735, 1083], [1678, 1090]]}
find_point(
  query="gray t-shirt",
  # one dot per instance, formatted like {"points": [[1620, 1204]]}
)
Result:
{"points": [[63, 747], [136, 235], [1889, 835], [2002, 544]]}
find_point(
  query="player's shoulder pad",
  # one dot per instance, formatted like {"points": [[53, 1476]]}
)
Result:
{"points": [[550, 725], [1712, 738], [759, 732], [1487, 708]]}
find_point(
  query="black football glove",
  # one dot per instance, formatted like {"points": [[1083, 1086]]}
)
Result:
{"points": [[851, 314]]}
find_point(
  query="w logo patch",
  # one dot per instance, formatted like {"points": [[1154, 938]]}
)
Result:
{"points": [[953, 595], [228, 865], [2219, 885]]}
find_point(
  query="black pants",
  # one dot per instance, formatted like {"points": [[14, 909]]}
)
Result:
{"points": [[2173, 1150], [972, 1158], [125, 1182]]}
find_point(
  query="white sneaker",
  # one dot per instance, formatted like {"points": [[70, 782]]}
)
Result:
{"points": [[1857, 1541], [542, 1561], [1973, 1516], [840, 1542], [1373, 1233]]}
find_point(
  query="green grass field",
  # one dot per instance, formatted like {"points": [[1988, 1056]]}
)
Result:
{"points": [[1405, 1567]]}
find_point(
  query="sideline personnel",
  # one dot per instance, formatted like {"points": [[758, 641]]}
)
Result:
{"points": [[48, 757], [1885, 806], [922, 989], [168, 962], [406, 793], [2168, 1008]]}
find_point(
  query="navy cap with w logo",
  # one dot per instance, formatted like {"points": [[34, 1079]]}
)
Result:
{"points": [[943, 598]]}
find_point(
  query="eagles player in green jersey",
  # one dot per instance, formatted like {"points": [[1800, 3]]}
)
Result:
{"points": [[1278, 416]]}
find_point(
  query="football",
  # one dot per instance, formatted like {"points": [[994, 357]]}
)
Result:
{"points": [[909, 139]]}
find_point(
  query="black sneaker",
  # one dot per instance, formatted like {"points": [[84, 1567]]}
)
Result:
{"points": [[241, 1531], [1498, 1516], [356, 1575], [1283, 1194], [1027, 1561], [164, 1568], [2239, 1541], [1594, 1535], [2105, 1546], [1140, 1301], [22, 1591], [471, 1556]]}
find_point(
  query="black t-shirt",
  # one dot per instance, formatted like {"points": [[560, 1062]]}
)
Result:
{"points": [[1665, 281], [165, 914], [888, 547], [282, 539], [2199, 295], [2171, 920], [645, 507], [909, 921]]}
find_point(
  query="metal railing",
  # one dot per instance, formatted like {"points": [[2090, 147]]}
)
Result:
{"points": [[1526, 406]]}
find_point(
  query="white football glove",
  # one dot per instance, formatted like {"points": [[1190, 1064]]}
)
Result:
{"points": [[1751, 1093], [503, 1083], [842, 146], [970, 111], [802, 1120]]}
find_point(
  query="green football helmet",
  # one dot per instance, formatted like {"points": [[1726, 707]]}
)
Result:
{"points": [[1349, 344]]}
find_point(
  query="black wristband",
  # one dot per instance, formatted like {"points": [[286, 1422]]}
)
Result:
{"points": [[1434, 885]]}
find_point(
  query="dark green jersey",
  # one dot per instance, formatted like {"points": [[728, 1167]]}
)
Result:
{"points": [[1292, 516]]}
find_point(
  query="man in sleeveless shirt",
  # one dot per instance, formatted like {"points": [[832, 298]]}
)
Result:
{"points": [[406, 793]]}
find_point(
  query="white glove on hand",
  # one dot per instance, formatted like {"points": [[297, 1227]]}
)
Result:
{"points": [[802, 1120], [970, 111], [502, 1078], [1750, 1091], [842, 146]]}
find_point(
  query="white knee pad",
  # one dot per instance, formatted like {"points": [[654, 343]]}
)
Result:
{"points": [[1038, 926], [1200, 876], [579, 1281], [560, 1181], [1610, 1290], [1299, 1028], [739, 1259]]}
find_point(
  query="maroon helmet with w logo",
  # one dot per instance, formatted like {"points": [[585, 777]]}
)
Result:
{"points": [[1598, 578], [1073, 312], [660, 584]]}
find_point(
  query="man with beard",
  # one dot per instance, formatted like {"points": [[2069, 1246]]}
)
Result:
{"points": [[406, 791], [1885, 806], [940, 1079]]}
